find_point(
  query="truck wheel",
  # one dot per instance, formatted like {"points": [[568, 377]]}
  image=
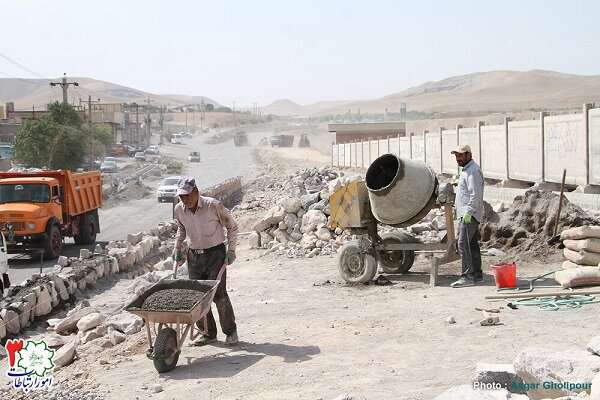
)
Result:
{"points": [[397, 261], [88, 229], [354, 266], [165, 354], [53, 245]]}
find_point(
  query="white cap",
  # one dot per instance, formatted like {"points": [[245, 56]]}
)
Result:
{"points": [[465, 148]]}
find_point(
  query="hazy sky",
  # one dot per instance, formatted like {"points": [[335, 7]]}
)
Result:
{"points": [[305, 50]]}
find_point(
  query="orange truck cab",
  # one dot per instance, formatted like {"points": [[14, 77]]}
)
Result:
{"points": [[39, 209]]}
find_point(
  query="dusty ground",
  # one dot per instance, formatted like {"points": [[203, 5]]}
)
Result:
{"points": [[306, 335]]}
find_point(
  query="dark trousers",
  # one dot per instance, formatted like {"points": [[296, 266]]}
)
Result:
{"points": [[206, 266], [468, 248]]}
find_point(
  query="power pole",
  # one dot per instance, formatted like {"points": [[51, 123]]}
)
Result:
{"points": [[137, 122], [148, 121], [65, 87], [186, 128], [202, 110], [90, 124]]}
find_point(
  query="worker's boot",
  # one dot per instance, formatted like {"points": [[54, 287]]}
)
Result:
{"points": [[232, 339], [203, 341], [463, 281]]}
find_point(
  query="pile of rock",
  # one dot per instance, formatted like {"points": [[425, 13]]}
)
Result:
{"points": [[537, 373], [297, 225]]}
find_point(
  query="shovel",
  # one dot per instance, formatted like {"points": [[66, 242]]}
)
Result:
{"points": [[556, 238]]}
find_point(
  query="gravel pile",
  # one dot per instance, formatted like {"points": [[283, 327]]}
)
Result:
{"points": [[528, 223]]}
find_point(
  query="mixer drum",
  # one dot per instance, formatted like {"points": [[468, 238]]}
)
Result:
{"points": [[401, 192]]}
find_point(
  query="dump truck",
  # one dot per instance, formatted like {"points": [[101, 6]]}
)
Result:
{"points": [[240, 139], [39, 209], [282, 140]]}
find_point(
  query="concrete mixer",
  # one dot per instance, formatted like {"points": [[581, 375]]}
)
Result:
{"points": [[398, 193]]}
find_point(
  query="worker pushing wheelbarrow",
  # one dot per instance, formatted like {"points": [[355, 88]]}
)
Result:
{"points": [[201, 221], [171, 310]]}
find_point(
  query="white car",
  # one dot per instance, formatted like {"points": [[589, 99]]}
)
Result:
{"points": [[176, 139], [168, 189]]}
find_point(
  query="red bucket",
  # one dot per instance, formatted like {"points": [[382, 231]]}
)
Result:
{"points": [[505, 275]]}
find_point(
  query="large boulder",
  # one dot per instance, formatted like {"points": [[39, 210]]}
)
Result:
{"points": [[311, 220], [11, 321], [324, 234], [290, 204], [273, 216], [309, 199], [126, 323], [92, 334], [90, 321], [43, 303], [503, 375], [68, 324], [115, 336], [551, 369], [290, 220], [66, 354]]}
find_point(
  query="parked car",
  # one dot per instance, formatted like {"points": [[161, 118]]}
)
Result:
{"points": [[109, 167], [168, 189], [153, 150], [112, 159], [194, 157], [140, 156]]}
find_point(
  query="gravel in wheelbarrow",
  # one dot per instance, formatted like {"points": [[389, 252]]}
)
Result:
{"points": [[172, 300]]}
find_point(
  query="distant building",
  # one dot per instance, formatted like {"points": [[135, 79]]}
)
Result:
{"points": [[362, 131]]}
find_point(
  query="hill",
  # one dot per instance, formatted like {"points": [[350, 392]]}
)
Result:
{"points": [[27, 92], [482, 92]]}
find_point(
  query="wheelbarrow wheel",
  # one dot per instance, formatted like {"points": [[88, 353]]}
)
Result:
{"points": [[166, 353], [397, 261], [354, 266]]}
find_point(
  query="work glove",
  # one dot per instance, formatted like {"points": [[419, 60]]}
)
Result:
{"points": [[230, 257], [467, 218], [177, 256]]}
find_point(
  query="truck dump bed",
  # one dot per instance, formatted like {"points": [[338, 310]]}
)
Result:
{"points": [[82, 191]]}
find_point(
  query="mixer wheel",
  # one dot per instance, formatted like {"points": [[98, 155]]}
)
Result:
{"points": [[397, 261], [356, 266]]}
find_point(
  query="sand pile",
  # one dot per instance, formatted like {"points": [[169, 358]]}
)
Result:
{"points": [[528, 224]]}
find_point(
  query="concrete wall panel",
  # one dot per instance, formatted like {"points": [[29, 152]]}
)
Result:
{"points": [[493, 152], [405, 147], [383, 146], [418, 148], [365, 157], [449, 143], [433, 151], [525, 150], [564, 137], [594, 121], [393, 146], [374, 154], [469, 136]]}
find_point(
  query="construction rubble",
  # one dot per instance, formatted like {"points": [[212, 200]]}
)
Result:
{"points": [[84, 328], [535, 374]]}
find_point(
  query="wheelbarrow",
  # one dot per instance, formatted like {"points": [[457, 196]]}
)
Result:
{"points": [[172, 327]]}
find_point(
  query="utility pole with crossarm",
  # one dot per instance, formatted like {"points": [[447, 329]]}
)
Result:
{"points": [[65, 87]]}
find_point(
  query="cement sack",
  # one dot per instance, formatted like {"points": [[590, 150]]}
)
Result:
{"points": [[592, 244], [581, 232], [576, 277], [582, 257]]}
